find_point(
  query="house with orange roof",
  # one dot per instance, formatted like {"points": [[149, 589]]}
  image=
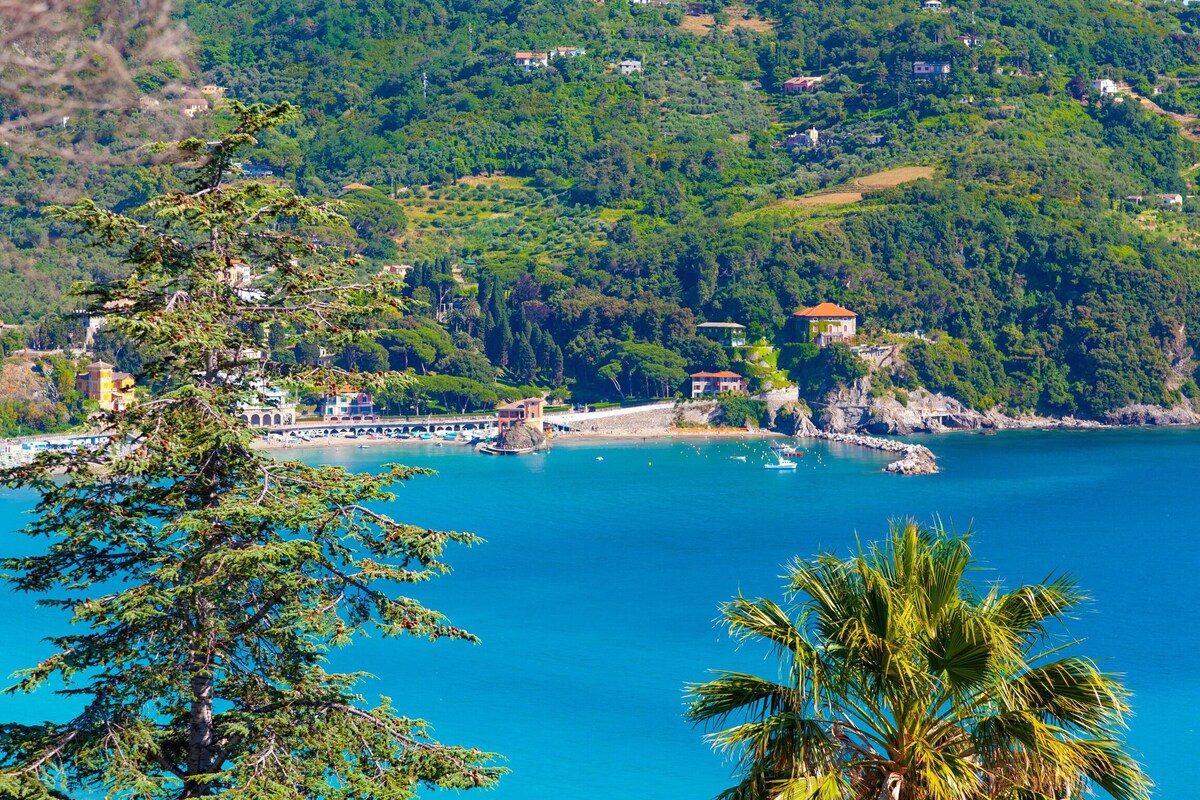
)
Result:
{"points": [[531, 60], [704, 383], [825, 323]]}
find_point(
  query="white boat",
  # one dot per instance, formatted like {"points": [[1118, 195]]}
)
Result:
{"points": [[781, 463], [737, 458], [363, 446]]}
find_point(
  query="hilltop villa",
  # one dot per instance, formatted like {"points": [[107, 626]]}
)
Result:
{"points": [[825, 323], [726, 334], [112, 391]]}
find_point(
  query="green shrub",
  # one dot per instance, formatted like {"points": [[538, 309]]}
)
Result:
{"points": [[738, 411]]}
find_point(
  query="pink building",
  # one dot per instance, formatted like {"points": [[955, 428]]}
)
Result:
{"points": [[717, 382], [801, 84], [522, 412]]}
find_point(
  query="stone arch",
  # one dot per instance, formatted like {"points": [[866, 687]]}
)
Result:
{"points": [[254, 419], [278, 419]]}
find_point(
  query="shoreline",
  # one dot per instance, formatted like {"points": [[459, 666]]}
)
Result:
{"points": [[574, 436]]}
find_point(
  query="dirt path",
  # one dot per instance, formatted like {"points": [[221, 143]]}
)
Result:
{"points": [[1185, 120]]}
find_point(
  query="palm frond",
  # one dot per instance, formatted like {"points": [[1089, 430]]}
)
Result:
{"points": [[735, 692]]}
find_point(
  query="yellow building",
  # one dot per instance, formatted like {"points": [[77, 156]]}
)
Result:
{"points": [[112, 391]]}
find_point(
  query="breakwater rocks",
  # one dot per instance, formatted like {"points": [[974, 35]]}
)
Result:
{"points": [[915, 459]]}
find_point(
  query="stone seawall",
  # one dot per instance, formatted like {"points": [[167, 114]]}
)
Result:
{"points": [[915, 459], [650, 421]]}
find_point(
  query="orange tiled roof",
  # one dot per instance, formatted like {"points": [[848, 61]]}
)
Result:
{"points": [[824, 310], [725, 374]]}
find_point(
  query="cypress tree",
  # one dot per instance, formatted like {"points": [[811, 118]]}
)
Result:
{"points": [[556, 365], [206, 580], [524, 362]]}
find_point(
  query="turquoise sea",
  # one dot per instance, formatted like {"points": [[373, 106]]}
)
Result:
{"points": [[596, 591]]}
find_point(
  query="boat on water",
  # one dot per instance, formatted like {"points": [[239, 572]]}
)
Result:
{"points": [[787, 449], [363, 446], [492, 449], [780, 463], [737, 458]]}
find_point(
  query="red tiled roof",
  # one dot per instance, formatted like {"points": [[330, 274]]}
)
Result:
{"points": [[824, 310], [725, 374]]}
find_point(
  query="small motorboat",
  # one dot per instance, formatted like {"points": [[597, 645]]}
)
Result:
{"points": [[780, 463], [737, 458]]}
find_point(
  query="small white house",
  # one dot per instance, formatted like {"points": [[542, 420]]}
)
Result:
{"points": [[629, 66], [1104, 86], [931, 5], [1170, 200], [531, 60], [931, 69]]}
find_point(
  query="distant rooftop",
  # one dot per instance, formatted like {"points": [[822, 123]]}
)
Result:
{"points": [[720, 325], [824, 310]]}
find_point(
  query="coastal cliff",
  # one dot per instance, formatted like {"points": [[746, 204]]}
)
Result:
{"points": [[855, 409]]}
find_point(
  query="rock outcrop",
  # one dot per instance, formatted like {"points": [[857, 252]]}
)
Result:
{"points": [[1152, 415], [521, 437]]}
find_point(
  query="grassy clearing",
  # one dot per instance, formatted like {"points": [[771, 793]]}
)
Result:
{"points": [[893, 177], [701, 24], [823, 199], [499, 181]]}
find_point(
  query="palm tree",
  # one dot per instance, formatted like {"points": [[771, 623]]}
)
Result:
{"points": [[901, 680]]}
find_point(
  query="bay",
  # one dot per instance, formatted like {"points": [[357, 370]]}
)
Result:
{"points": [[596, 591]]}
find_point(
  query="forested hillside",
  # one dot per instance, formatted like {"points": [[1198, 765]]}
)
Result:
{"points": [[570, 224]]}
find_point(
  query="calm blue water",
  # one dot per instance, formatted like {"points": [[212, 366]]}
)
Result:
{"points": [[597, 589]]}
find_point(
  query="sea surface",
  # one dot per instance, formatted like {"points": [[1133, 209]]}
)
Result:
{"points": [[596, 591]]}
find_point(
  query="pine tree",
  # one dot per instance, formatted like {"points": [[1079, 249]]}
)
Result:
{"points": [[206, 581]]}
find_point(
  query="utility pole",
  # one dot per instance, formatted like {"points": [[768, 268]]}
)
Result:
{"points": [[425, 85]]}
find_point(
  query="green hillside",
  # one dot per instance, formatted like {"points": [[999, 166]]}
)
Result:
{"points": [[570, 224]]}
